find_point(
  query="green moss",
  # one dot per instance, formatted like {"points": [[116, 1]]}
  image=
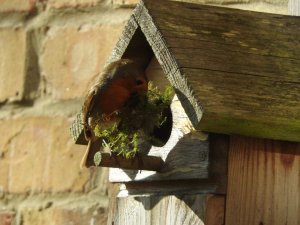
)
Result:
{"points": [[137, 121]]}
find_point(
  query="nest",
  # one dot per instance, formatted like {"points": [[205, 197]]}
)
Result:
{"points": [[138, 120]]}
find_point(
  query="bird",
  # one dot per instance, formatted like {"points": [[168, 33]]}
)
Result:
{"points": [[119, 83]]}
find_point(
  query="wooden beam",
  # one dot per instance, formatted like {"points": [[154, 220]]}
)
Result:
{"points": [[263, 182], [142, 162]]}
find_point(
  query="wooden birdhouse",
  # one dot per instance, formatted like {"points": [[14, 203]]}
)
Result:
{"points": [[231, 153]]}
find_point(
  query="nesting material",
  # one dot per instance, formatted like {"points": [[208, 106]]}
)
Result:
{"points": [[138, 119]]}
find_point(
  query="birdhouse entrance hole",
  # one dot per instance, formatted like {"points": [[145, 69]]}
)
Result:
{"points": [[175, 135], [141, 52], [156, 76], [163, 132]]}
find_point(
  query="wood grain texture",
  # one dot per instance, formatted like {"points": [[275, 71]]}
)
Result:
{"points": [[216, 183], [76, 130], [256, 108], [240, 68], [294, 7], [167, 187], [215, 210], [218, 162], [130, 40], [263, 182], [167, 210]]}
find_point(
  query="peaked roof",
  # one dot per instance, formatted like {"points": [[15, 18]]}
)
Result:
{"points": [[234, 71]]}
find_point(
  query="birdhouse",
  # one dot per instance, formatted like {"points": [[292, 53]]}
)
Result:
{"points": [[231, 151]]}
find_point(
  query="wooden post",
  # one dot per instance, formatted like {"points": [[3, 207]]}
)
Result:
{"points": [[263, 182]]}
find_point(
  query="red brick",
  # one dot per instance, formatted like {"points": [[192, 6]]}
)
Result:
{"points": [[56, 215], [12, 66], [7, 217], [37, 154], [72, 56], [16, 5], [72, 3]]}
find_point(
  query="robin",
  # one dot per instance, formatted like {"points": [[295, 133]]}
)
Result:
{"points": [[120, 81]]}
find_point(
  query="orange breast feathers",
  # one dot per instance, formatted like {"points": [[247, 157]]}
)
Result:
{"points": [[112, 91]]}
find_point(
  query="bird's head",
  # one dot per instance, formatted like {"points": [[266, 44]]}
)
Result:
{"points": [[128, 75], [138, 83]]}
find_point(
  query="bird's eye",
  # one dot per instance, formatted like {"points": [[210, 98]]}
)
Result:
{"points": [[139, 82]]}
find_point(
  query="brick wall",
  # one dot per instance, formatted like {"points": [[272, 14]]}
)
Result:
{"points": [[49, 51]]}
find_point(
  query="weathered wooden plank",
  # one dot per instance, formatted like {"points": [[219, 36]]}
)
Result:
{"points": [[124, 40], [263, 182], [167, 210], [252, 106], [215, 210], [240, 63], [168, 187], [216, 183], [209, 42], [227, 26], [141, 162], [218, 160], [76, 130], [294, 7]]}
